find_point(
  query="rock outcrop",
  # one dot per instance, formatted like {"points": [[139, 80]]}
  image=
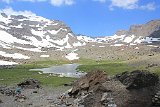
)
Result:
{"points": [[129, 89], [156, 99], [89, 82], [1, 101], [30, 83], [8, 91], [137, 79]]}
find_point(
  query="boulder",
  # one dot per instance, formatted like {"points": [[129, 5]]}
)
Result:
{"points": [[97, 90], [20, 98], [89, 89], [1, 101], [88, 83], [30, 83], [156, 99], [138, 79], [8, 91]]}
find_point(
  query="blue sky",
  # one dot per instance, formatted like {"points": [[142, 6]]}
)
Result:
{"points": [[91, 17]]}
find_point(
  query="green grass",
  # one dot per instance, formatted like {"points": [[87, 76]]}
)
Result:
{"points": [[21, 72], [154, 70], [111, 67]]}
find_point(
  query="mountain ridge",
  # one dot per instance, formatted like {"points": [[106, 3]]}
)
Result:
{"points": [[31, 37]]}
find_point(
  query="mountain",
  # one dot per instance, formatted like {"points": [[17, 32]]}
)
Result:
{"points": [[33, 34], [146, 33], [31, 38], [36, 32]]}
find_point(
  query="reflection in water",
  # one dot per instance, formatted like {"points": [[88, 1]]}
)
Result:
{"points": [[66, 70]]}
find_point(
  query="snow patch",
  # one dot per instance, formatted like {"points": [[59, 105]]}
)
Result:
{"points": [[30, 49], [44, 56], [153, 46], [19, 26], [8, 38], [137, 48], [3, 27], [72, 56], [129, 39], [62, 41], [101, 46], [133, 44], [7, 63], [75, 44], [38, 33], [14, 56], [53, 32], [138, 40], [5, 20], [86, 39], [68, 45], [151, 40], [117, 45], [4, 45]]}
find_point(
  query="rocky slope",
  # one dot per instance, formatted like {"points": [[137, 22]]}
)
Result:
{"points": [[30, 38], [148, 33], [33, 34]]}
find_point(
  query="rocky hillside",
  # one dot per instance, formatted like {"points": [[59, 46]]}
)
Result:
{"points": [[148, 33], [34, 37], [33, 34]]}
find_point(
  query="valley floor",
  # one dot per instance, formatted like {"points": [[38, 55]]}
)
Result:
{"points": [[43, 97], [53, 86]]}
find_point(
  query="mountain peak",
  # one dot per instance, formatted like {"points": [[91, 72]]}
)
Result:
{"points": [[27, 35]]}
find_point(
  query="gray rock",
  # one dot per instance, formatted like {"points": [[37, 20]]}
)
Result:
{"points": [[138, 79], [1, 101], [30, 83], [8, 91], [156, 99], [4, 15]]}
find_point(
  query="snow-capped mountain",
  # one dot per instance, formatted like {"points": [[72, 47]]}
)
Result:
{"points": [[24, 37], [148, 33], [35, 33], [141, 33]]}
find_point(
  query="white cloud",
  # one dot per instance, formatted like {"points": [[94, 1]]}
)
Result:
{"points": [[128, 4], [62, 2], [125, 4], [33, 0], [7, 1], [102, 1], [53, 2], [10, 11], [149, 6]]}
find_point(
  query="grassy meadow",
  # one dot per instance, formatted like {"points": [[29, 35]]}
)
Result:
{"points": [[19, 73]]}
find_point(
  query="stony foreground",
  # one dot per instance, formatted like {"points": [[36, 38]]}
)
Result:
{"points": [[31, 95], [96, 89]]}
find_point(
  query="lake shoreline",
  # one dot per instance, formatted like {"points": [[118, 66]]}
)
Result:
{"points": [[64, 70]]}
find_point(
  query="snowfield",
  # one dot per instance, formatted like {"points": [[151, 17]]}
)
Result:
{"points": [[14, 56], [7, 63]]}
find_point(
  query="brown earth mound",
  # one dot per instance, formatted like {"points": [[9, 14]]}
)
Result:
{"points": [[96, 90], [88, 83]]}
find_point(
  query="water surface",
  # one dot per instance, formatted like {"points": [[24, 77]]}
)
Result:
{"points": [[65, 70]]}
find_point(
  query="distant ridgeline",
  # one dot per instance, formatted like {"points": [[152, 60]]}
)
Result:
{"points": [[33, 37]]}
